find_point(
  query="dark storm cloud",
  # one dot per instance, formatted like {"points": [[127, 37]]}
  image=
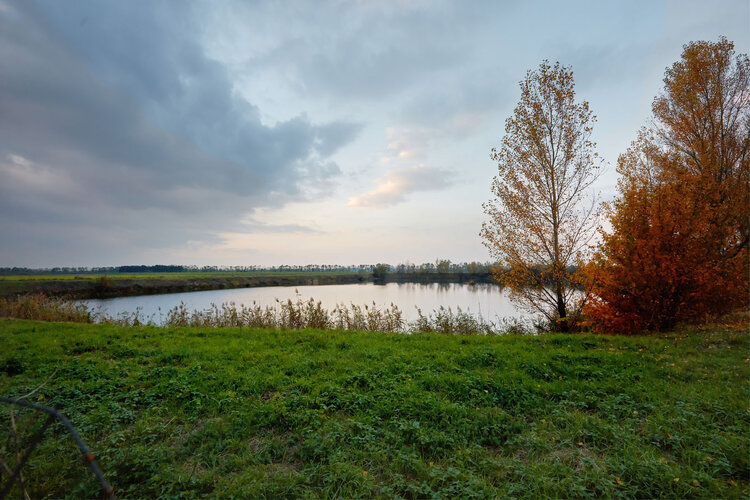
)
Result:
{"points": [[113, 123]]}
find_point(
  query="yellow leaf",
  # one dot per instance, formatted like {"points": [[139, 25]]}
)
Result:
{"points": [[619, 481]]}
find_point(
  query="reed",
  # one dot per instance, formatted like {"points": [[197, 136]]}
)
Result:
{"points": [[43, 308], [283, 315]]}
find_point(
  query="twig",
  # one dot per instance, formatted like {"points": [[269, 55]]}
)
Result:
{"points": [[23, 457], [87, 455], [39, 387]]}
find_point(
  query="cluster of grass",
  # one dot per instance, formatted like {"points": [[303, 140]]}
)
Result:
{"points": [[291, 315], [192, 412], [284, 315], [43, 308], [294, 315]]}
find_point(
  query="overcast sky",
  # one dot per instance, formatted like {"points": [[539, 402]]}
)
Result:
{"points": [[239, 133]]}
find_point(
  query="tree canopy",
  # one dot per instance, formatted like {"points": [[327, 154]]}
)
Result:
{"points": [[678, 247]]}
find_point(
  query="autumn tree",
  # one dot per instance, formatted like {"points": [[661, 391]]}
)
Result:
{"points": [[678, 247], [540, 221], [443, 266]]}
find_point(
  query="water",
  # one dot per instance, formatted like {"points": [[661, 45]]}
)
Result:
{"points": [[486, 300]]}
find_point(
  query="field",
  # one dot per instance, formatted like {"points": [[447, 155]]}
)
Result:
{"points": [[83, 286], [93, 285], [190, 412], [176, 275]]}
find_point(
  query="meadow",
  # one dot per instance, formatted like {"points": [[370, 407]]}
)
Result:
{"points": [[191, 412], [157, 275], [83, 286]]}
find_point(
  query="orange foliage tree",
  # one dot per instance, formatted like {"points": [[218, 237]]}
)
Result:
{"points": [[678, 246], [539, 221]]}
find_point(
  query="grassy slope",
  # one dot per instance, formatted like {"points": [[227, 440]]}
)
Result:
{"points": [[319, 414]]}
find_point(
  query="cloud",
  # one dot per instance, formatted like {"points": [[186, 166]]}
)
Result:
{"points": [[115, 141], [393, 187], [131, 129], [379, 50], [405, 144]]}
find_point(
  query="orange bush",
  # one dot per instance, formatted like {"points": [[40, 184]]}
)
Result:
{"points": [[678, 246]]}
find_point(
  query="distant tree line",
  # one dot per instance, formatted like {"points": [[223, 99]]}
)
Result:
{"points": [[440, 266]]}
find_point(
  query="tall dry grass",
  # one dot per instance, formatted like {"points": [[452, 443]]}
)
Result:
{"points": [[284, 315], [43, 308]]}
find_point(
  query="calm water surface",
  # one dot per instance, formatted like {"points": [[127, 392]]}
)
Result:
{"points": [[489, 301]]}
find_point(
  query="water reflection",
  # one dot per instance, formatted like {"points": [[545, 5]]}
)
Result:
{"points": [[486, 300]]}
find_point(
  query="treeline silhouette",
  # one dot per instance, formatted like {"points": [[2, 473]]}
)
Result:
{"points": [[438, 267]]}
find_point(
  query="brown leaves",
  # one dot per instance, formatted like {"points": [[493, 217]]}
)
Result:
{"points": [[539, 227], [678, 249]]}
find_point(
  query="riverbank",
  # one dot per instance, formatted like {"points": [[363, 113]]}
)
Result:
{"points": [[93, 286], [195, 412], [109, 286]]}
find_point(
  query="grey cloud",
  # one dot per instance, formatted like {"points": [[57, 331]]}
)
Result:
{"points": [[142, 137], [333, 136], [360, 51], [261, 227], [462, 103], [155, 57]]}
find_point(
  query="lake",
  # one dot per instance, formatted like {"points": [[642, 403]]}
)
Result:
{"points": [[489, 301]]}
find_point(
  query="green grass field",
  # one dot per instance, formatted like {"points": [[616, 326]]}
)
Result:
{"points": [[222, 412]]}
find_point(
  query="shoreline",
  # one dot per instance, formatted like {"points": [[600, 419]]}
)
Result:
{"points": [[82, 287]]}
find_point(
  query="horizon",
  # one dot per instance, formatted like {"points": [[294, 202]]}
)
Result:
{"points": [[232, 267]]}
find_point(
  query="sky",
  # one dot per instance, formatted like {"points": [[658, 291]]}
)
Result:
{"points": [[268, 133]]}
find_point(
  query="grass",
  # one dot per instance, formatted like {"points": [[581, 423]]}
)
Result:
{"points": [[176, 275], [283, 315], [125, 284], [116, 285], [190, 412]]}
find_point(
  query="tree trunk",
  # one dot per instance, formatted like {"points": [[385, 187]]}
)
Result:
{"points": [[562, 320]]}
